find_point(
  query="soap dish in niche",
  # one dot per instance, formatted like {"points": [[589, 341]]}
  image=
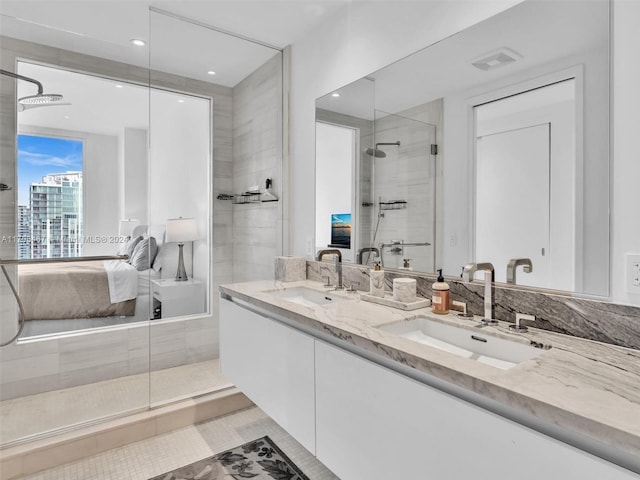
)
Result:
{"points": [[390, 302]]}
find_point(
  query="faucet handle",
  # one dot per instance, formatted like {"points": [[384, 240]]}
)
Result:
{"points": [[352, 288], [518, 327]]}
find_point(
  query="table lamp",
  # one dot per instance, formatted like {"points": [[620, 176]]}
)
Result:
{"points": [[180, 230]]}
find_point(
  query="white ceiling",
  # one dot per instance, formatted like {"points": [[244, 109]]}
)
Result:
{"points": [[104, 28], [542, 32]]}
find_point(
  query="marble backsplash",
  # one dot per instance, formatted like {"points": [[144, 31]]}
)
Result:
{"points": [[594, 320]]}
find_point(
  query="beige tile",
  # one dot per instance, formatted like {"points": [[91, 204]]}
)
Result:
{"points": [[176, 419], [126, 434], [10, 468], [216, 409], [50, 457]]}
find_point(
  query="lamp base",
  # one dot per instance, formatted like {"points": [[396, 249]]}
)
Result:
{"points": [[181, 274]]}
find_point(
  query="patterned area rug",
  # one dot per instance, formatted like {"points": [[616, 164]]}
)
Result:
{"points": [[260, 459]]}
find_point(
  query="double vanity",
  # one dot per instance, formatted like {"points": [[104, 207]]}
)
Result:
{"points": [[377, 393]]}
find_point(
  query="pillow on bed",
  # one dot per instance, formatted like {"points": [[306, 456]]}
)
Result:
{"points": [[157, 262], [129, 246], [144, 254]]}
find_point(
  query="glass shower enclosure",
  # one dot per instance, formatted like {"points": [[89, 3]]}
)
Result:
{"points": [[106, 193]]}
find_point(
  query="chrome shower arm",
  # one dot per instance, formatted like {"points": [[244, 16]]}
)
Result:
{"points": [[26, 79]]}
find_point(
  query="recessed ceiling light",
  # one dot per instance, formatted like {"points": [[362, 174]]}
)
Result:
{"points": [[67, 117], [211, 72], [137, 42], [335, 94], [181, 101], [119, 86]]}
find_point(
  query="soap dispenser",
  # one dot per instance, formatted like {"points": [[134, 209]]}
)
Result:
{"points": [[440, 297], [376, 281]]}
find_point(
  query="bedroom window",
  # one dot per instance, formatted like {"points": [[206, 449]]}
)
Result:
{"points": [[49, 197]]}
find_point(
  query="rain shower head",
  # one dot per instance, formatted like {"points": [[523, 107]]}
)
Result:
{"points": [[377, 153], [40, 99]]}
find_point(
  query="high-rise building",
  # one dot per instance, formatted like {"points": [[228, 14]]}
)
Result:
{"points": [[24, 231], [56, 216]]}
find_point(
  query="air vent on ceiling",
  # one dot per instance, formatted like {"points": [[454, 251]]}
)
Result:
{"points": [[496, 59]]}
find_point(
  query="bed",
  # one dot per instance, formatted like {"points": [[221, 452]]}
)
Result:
{"points": [[93, 289], [77, 290]]}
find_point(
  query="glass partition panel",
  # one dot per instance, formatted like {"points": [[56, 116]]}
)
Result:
{"points": [[216, 128], [74, 124]]}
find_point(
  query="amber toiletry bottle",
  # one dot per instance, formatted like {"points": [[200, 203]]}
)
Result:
{"points": [[440, 299]]}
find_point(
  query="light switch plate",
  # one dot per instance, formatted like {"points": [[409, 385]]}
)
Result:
{"points": [[632, 266]]}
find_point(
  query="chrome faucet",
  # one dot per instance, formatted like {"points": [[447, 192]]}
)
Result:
{"points": [[376, 252], [489, 276], [513, 264], [338, 262]]}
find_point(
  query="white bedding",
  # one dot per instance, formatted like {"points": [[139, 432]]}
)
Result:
{"points": [[123, 280]]}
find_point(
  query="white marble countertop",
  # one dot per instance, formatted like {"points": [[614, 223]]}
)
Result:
{"points": [[583, 386]]}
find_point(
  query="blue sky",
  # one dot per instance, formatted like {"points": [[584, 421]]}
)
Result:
{"points": [[39, 156]]}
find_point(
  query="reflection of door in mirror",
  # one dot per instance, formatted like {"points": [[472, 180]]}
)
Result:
{"points": [[525, 173], [336, 148]]}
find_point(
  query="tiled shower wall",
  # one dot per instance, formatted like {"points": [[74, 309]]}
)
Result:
{"points": [[595, 320], [257, 154]]}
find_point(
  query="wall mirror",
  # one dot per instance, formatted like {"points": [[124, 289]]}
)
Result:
{"points": [[489, 146]]}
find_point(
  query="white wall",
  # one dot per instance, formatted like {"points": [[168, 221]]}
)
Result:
{"points": [[334, 152], [179, 172], [359, 39], [625, 217], [134, 179]]}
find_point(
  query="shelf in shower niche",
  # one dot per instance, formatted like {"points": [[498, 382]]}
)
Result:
{"points": [[393, 205], [248, 197], [388, 301]]}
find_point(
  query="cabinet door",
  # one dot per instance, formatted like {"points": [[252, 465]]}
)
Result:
{"points": [[273, 365], [376, 424]]}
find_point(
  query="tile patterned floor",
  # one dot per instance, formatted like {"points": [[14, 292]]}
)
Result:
{"points": [[44, 412], [163, 453]]}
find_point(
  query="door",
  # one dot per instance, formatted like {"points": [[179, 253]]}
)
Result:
{"points": [[513, 175]]}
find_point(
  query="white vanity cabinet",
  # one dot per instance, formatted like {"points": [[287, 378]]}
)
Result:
{"points": [[374, 423], [273, 364], [365, 420]]}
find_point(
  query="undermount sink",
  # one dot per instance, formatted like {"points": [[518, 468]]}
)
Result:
{"points": [[305, 296], [476, 345]]}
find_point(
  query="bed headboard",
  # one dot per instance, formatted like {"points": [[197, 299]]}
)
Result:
{"points": [[156, 231]]}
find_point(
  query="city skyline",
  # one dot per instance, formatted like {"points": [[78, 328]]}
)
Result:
{"points": [[39, 156], [49, 197]]}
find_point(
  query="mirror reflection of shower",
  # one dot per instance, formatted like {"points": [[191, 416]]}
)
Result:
{"points": [[398, 174], [377, 153]]}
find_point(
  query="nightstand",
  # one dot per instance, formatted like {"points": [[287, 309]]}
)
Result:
{"points": [[178, 298]]}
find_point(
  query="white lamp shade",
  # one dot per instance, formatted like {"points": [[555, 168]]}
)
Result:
{"points": [[125, 229], [181, 230]]}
